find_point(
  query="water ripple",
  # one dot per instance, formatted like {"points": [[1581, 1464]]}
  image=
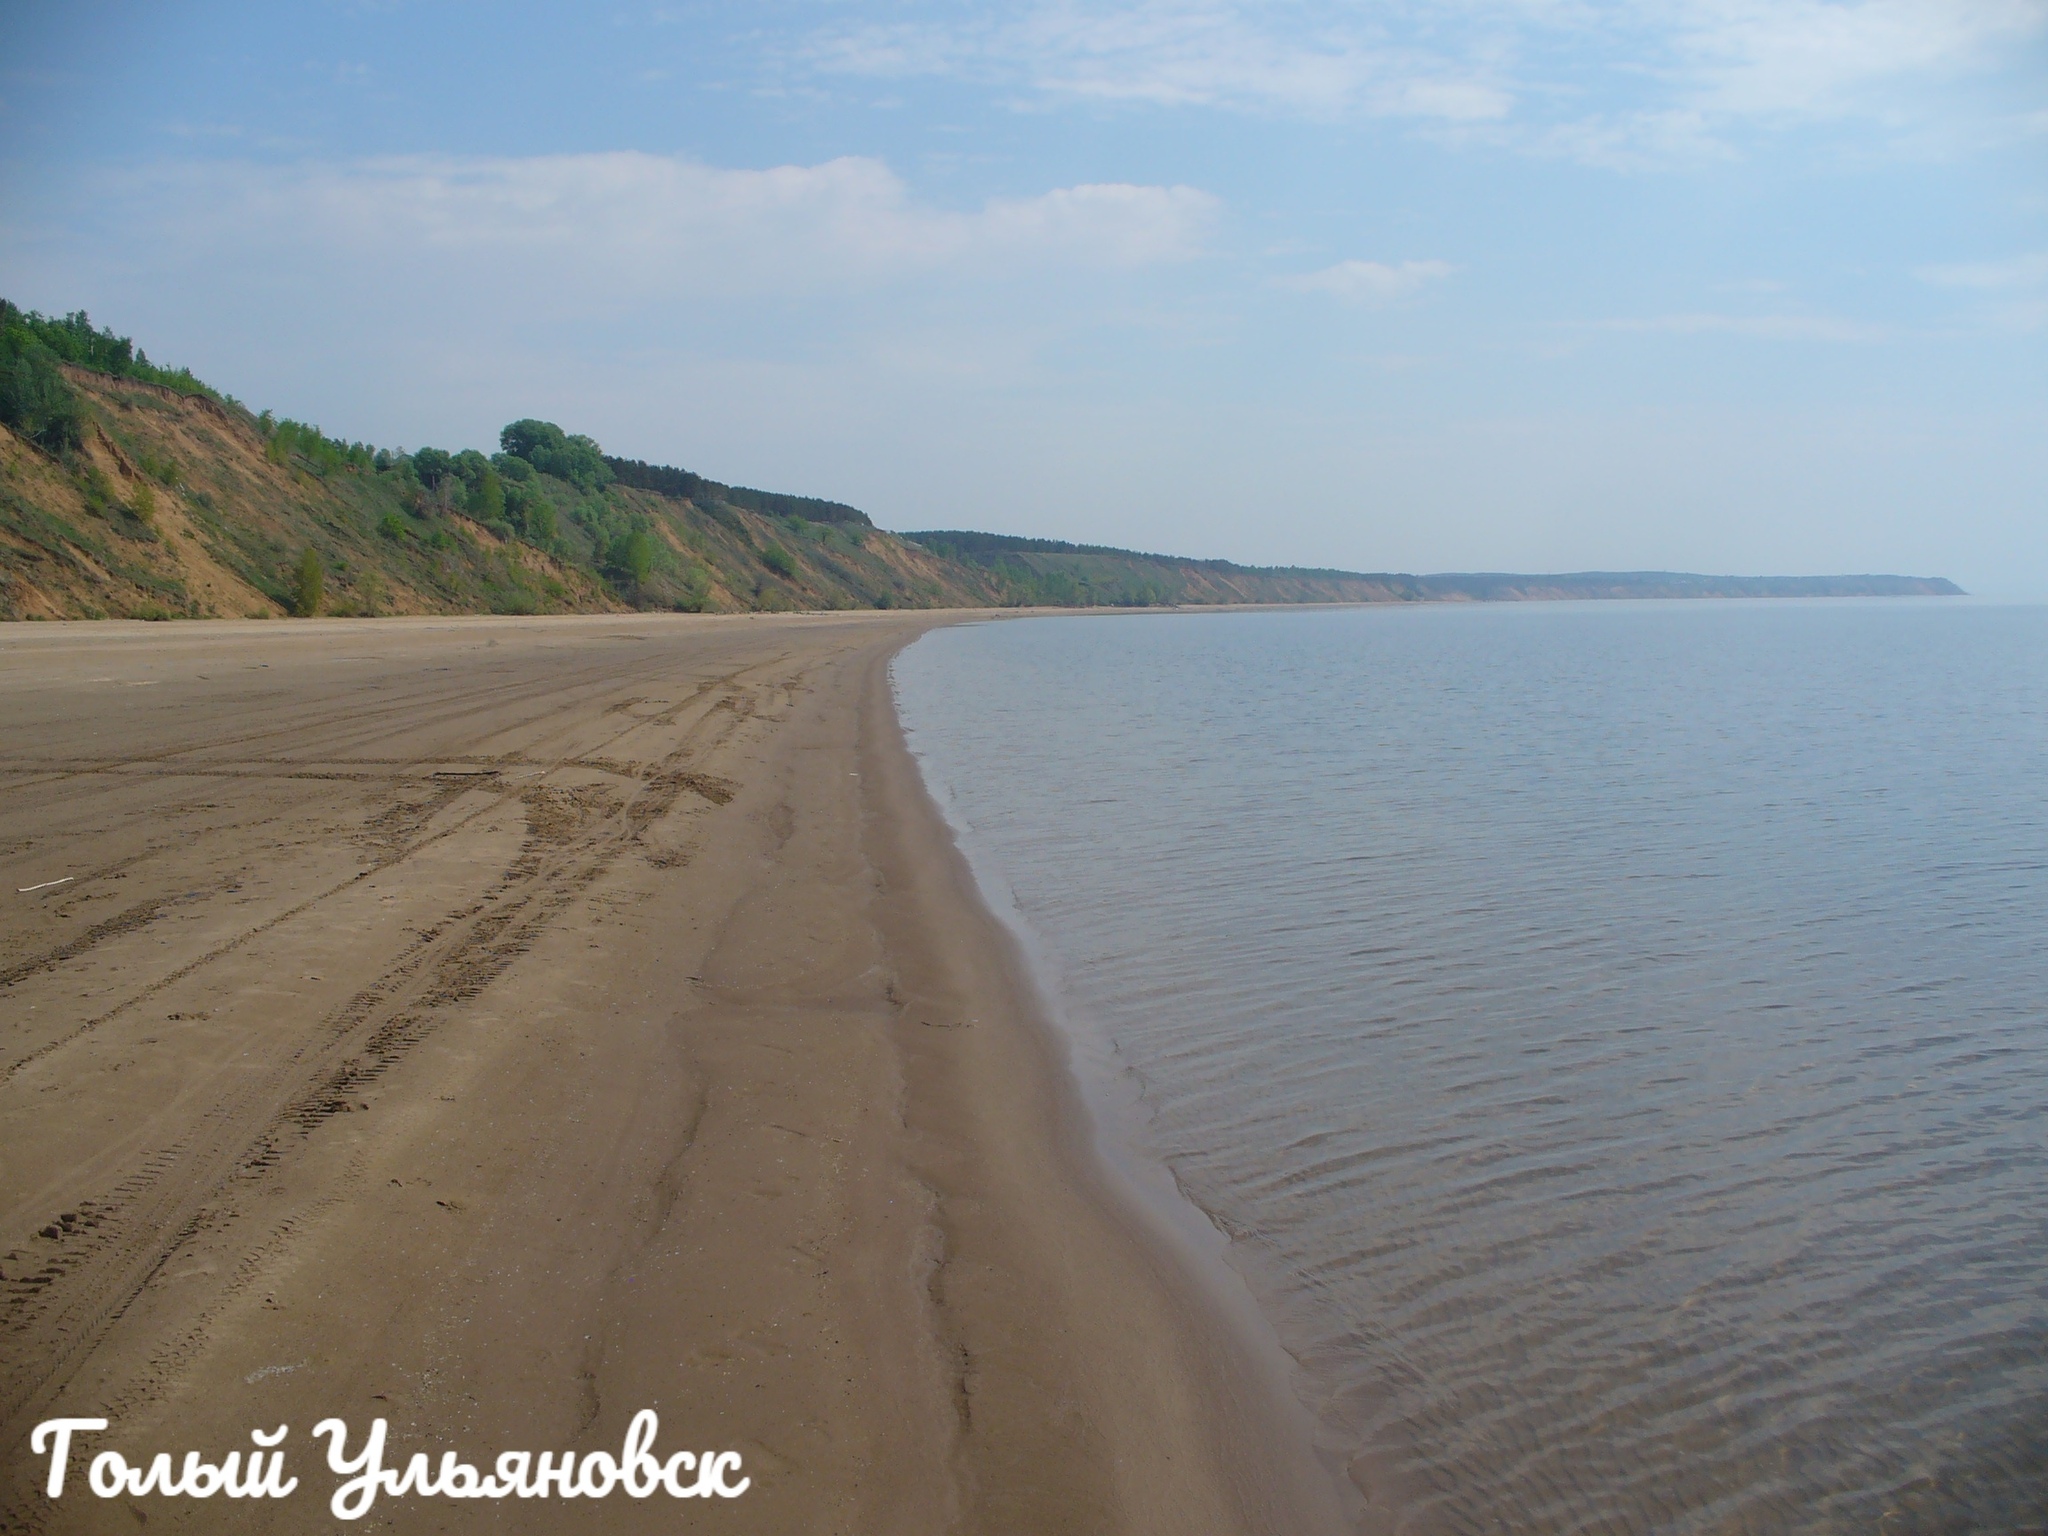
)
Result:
{"points": [[1613, 1036]]}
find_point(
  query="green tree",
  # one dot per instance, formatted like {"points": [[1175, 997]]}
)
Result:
{"points": [[541, 527], [529, 439], [76, 340], [576, 459], [630, 556], [311, 585], [34, 399], [532, 512], [487, 496], [582, 464], [433, 465]]}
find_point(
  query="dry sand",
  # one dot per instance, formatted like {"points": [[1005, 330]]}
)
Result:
{"points": [[501, 1026]]}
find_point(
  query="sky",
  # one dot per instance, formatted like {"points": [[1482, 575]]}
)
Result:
{"points": [[1736, 286]]}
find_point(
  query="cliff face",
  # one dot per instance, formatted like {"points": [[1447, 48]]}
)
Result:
{"points": [[175, 505]]}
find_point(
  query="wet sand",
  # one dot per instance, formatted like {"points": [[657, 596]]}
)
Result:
{"points": [[502, 1026]]}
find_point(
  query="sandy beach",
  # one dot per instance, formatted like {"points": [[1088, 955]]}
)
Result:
{"points": [[502, 1026]]}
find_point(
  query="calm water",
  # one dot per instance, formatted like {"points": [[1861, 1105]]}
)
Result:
{"points": [[1615, 1037]]}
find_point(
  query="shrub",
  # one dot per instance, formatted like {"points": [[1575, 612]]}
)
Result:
{"points": [[392, 526], [778, 560], [696, 589], [143, 502], [630, 556], [310, 585], [98, 493]]}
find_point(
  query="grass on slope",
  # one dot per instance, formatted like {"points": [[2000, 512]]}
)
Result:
{"points": [[132, 490]]}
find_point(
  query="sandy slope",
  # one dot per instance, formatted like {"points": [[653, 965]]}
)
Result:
{"points": [[501, 1026]]}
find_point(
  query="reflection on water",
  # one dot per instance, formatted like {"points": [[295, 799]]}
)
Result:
{"points": [[1614, 1036]]}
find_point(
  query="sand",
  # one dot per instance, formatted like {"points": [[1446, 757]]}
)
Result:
{"points": [[501, 1026]]}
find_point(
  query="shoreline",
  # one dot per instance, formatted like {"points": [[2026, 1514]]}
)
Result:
{"points": [[1229, 1392], [1110, 1129], [698, 1074]]}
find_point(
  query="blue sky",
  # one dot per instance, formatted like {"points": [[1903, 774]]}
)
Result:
{"points": [[1724, 285]]}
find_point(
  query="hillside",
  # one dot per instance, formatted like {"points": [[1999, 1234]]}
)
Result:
{"points": [[133, 490], [1579, 585], [1048, 571], [150, 500]]}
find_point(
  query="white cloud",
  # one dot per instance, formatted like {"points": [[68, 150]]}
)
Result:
{"points": [[435, 295], [1766, 327], [1212, 53], [1797, 58], [1621, 84], [2014, 286], [631, 225], [1369, 282], [1631, 141], [2017, 272]]}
